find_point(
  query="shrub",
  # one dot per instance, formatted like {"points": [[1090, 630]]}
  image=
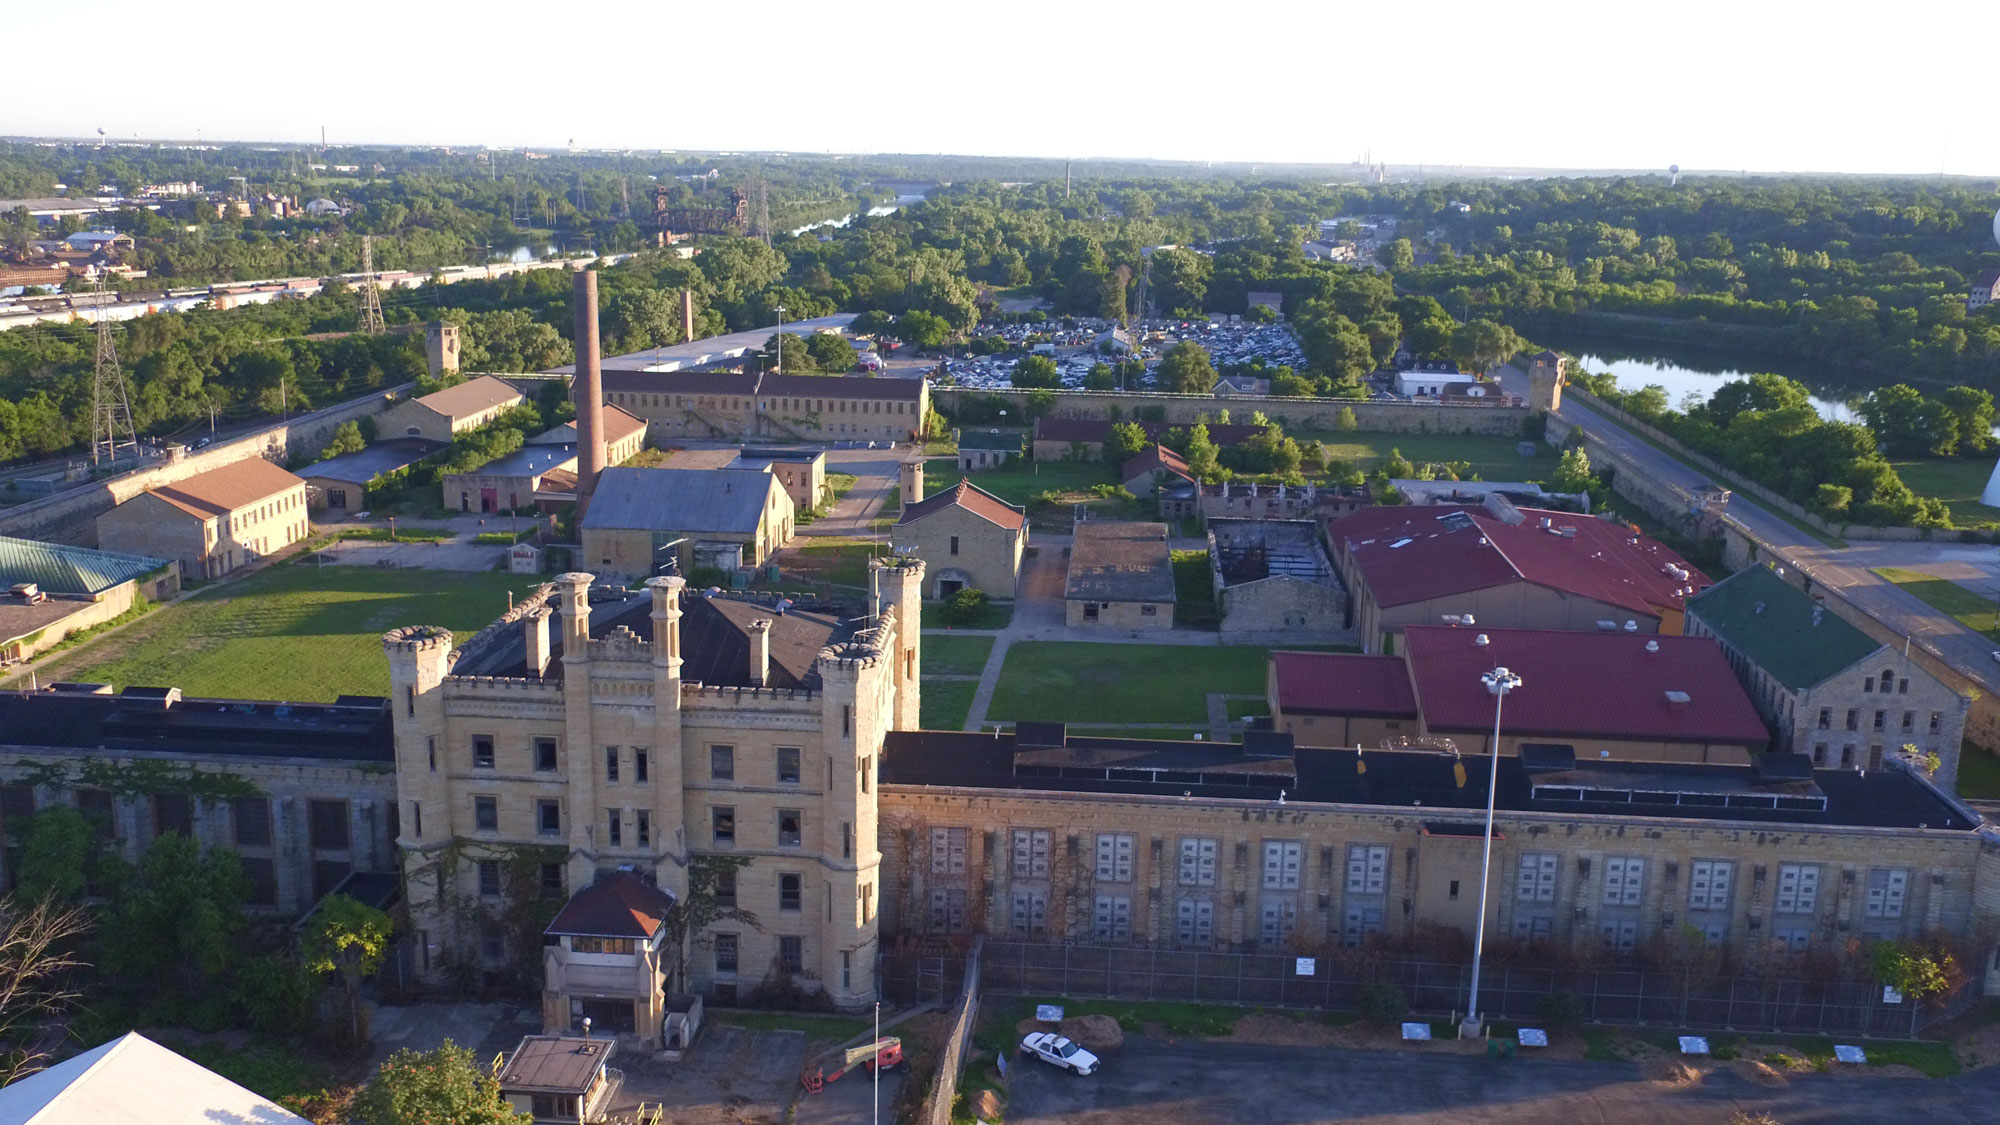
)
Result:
{"points": [[1560, 1010], [965, 607], [1381, 1003]]}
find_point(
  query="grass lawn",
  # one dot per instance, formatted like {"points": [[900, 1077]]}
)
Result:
{"points": [[293, 631], [1957, 483], [1072, 480], [1244, 708], [843, 562], [995, 615], [956, 656], [946, 703], [1085, 682], [1492, 457], [1973, 610], [1978, 774]]}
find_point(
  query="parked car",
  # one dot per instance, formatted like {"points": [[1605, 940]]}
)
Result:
{"points": [[1058, 1051]]}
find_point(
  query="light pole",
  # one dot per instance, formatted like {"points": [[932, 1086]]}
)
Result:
{"points": [[1499, 681], [781, 339], [878, 1060]]}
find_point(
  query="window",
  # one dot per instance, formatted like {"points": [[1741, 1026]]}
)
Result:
{"points": [[1909, 721], [616, 837], [1902, 687], [1793, 938], [1532, 927], [545, 755], [847, 968], [1277, 921], [868, 767], [1031, 853], [1194, 921], [642, 760], [1868, 685], [489, 878], [482, 751], [615, 945], [1888, 679], [1825, 718], [1853, 718], [611, 763], [846, 839], [1798, 888], [1028, 911], [1886, 888], [1624, 880], [791, 892], [1112, 920], [1148, 609], [791, 953], [1880, 716], [260, 873], [645, 828], [431, 751], [1197, 862], [790, 828], [251, 817], [1114, 858], [548, 818], [947, 851], [846, 720], [722, 822], [1359, 921], [1937, 719], [954, 544], [328, 827], [725, 889], [548, 1105], [788, 765], [947, 910], [1708, 884], [722, 763], [1367, 869], [1537, 881], [1452, 894], [552, 880], [725, 953], [1620, 934], [486, 814]]}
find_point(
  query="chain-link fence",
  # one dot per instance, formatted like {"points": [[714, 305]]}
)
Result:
{"points": [[1616, 996], [951, 1058]]}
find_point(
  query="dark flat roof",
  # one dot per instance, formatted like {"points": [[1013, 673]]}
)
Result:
{"points": [[1120, 561], [556, 1064], [198, 728], [1426, 781], [372, 462]]}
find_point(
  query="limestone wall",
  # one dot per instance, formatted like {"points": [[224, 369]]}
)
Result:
{"points": [[1295, 414]]}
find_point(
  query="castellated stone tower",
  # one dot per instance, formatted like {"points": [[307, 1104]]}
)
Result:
{"points": [[419, 660], [855, 708], [1545, 381], [900, 583]]}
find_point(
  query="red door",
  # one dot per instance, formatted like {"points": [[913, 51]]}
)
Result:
{"points": [[489, 498]]}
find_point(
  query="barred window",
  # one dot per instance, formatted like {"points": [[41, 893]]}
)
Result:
{"points": [[1114, 858], [1197, 862], [1367, 869], [1537, 882], [947, 851], [1624, 880], [1708, 884], [1886, 889], [1031, 853]]}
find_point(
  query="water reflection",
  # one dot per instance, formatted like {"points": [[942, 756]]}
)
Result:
{"points": [[1681, 382]]}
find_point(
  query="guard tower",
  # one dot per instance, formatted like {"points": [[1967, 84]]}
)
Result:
{"points": [[1545, 381], [441, 348]]}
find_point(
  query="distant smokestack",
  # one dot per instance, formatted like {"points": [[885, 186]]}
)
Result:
{"points": [[687, 315], [587, 388]]}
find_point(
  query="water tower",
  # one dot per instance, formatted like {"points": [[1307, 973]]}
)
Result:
{"points": [[1991, 497], [1674, 171]]}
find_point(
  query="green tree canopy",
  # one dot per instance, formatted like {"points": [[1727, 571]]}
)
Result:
{"points": [[1185, 369], [437, 1087]]}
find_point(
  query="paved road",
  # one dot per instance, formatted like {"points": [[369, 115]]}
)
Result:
{"points": [[1199, 1082], [1976, 566]]}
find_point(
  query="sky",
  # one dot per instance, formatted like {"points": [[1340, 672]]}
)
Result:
{"points": [[1721, 85]]}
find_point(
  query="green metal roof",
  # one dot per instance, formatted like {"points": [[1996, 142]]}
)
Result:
{"points": [[1770, 621], [59, 569]]}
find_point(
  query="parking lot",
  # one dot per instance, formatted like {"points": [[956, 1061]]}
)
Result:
{"points": [[1192, 1082], [1075, 338]]}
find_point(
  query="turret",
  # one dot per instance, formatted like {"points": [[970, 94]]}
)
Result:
{"points": [[900, 583], [855, 702], [573, 595], [419, 660], [912, 482], [1545, 381]]}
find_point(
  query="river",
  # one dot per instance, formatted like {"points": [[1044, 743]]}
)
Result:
{"points": [[1640, 371], [879, 209]]}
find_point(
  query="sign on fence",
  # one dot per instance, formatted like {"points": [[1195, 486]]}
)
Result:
{"points": [[1305, 967], [1049, 1013]]}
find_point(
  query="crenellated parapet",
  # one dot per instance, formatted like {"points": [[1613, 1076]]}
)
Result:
{"points": [[416, 638], [848, 658]]}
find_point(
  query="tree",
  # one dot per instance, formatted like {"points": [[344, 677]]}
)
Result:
{"points": [[1180, 281], [1037, 371], [1185, 369], [1480, 344], [1124, 442], [56, 854], [1100, 377], [1202, 455], [832, 353], [1974, 410], [1912, 970], [438, 1087], [1573, 472], [346, 439], [923, 329], [176, 919], [797, 360], [350, 938], [1346, 422], [1397, 255], [37, 958]]}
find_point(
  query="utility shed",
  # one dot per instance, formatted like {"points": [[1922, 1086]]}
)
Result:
{"points": [[558, 1078], [1121, 576]]}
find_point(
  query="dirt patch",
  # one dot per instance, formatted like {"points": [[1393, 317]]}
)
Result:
{"points": [[1980, 1046], [1094, 1032], [1669, 1072], [1762, 1073], [985, 1105], [1272, 1030]]}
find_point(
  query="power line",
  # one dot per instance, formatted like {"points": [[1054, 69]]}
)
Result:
{"points": [[108, 397], [371, 301]]}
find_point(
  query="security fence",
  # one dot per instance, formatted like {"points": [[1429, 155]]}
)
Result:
{"points": [[951, 1058], [1614, 996]]}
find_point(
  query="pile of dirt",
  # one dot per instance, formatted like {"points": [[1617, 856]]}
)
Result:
{"points": [[1669, 1072], [1094, 1032], [985, 1105], [1275, 1030], [1758, 1071]]}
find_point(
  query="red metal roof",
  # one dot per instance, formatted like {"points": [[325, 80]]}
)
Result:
{"points": [[1157, 456], [973, 499], [1603, 685], [619, 905], [1344, 683], [1408, 555]]}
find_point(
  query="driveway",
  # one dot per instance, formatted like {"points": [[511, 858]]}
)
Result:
{"points": [[1198, 1082]]}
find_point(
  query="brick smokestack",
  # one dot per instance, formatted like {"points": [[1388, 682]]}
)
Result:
{"points": [[587, 388], [687, 315]]}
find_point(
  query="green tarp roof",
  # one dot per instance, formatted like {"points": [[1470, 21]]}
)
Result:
{"points": [[1771, 622]]}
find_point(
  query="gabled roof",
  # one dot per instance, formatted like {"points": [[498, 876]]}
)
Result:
{"points": [[1581, 685], [472, 397], [1120, 561], [61, 569], [1344, 683], [686, 500], [1548, 354], [1005, 440], [1157, 457], [1097, 429], [1987, 279], [1411, 555], [620, 905], [970, 497], [618, 425], [365, 465], [1779, 628], [232, 487], [134, 1081], [715, 643]]}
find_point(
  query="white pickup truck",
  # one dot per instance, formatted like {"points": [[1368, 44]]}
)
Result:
{"points": [[1058, 1051]]}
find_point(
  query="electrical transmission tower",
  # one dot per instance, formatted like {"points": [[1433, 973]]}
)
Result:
{"points": [[764, 211], [371, 299], [110, 405]]}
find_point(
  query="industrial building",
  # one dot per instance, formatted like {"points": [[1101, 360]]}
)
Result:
{"points": [[1274, 585]]}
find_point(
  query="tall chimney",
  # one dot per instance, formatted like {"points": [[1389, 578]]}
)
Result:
{"points": [[760, 651], [687, 315], [587, 388]]}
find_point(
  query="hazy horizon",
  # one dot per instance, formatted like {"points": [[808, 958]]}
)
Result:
{"points": [[1551, 86]]}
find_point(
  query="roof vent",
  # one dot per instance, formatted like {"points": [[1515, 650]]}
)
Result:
{"points": [[1567, 531], [1677, 697], [1652, 646], [1608, 626], [1400, 543], [1481, 641], [1631, 626], [1758, 609], [1547, 523]]}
